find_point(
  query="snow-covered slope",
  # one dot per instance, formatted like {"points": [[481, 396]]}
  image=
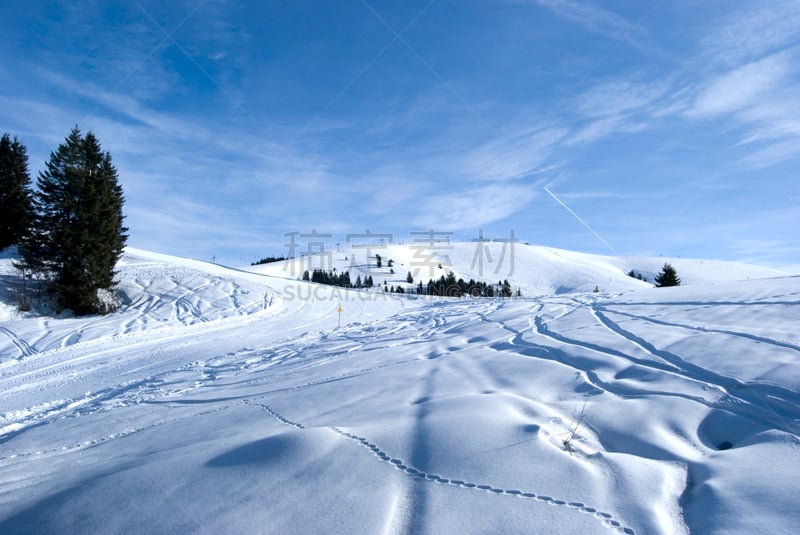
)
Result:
{"points": [[535, 270], [223, 401]]}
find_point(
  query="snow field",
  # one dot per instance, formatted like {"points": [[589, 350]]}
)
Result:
{"points": [[212, 402]]}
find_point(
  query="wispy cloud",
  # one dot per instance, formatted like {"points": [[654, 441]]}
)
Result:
{"points": [[592, 195], [618, 106], [760, 98], [777, 247], [773, 153], [473, 208], [602, 128], [744, 86], [619, 96], [207, 110], [594, 19], [512, 156], [753, 31]]}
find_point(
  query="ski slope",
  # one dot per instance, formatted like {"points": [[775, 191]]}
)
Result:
{"points": [[222, 400], [535, 270]]}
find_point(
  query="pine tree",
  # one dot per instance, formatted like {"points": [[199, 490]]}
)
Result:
{"points": [[410, 278], [506, 289], [16, 199], [667, 277], [79, 220]]}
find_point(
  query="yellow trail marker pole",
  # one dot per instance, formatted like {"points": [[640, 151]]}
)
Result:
{"points": [[340, 316]]}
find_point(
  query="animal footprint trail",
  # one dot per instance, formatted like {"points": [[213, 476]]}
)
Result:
{"points": [[606, 518]]}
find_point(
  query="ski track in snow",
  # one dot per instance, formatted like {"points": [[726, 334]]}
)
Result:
{"points": [[747, 336], [773, 404], [155, 389], [782, 409], [25, 349]]}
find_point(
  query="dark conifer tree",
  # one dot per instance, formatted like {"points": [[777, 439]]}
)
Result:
{"points": [[79, 220], [667, 277], [16, 199]]}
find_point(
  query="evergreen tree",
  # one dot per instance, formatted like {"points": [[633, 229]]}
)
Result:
{"points": [[667, 277], [79, 220], [409, 278], [506, 289], [452, 288], [16, 199]]}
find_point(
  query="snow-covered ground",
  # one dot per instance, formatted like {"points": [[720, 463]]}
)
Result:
{"points": [[230, 401]]}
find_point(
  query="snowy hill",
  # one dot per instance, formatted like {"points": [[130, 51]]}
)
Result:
{"points": [[535, 270], [226, 401]]}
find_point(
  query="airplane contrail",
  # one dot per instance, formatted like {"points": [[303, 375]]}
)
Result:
{"points": [[584, 223]]}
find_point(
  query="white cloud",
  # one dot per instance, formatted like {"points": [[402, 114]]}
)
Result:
{"points": [[593, 18], [759, 97], [773, 153], [473, 208], [776, 117], [601, 128], [744, 86], [513, 156], [617, 97], [620, 106], [127, 106], [759, 29]]}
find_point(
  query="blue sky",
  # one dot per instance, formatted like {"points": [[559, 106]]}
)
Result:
{"points": [[666, 127]]}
